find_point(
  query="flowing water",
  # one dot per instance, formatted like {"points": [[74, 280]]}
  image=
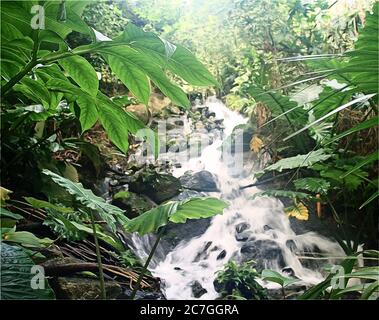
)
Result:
{"points": [[268, 228]]}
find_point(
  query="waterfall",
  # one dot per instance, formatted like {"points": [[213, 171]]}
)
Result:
{"points": [[262, 224]]}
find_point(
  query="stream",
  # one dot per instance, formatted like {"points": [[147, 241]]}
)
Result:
{"points": [[248, 229]]}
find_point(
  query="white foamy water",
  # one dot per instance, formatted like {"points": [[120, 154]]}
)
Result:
{"points": [[268, 227]]}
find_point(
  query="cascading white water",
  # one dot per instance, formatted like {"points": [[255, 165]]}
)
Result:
{"points": [[267, 226]]}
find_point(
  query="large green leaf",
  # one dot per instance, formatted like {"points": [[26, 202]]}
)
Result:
{"points": [[88, 111], [150, 68], [25, 238], [38, 204], [135, 79], [82, 72], [117, 122], [175, 58], [276, 277], [106, 211], [282, 193], [177, 212], [303, 160], [16, 276], [4, 213]]}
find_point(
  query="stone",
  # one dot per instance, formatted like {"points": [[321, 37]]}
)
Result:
{"points": [[157, 186], [243, 236], [140, 111], [291, 245], [203, 254], [242, 227], [199, 181], [262, 251], [141, 295], [197, 289], [221, 255], [288, 271], [75, 288], [133, 204]]}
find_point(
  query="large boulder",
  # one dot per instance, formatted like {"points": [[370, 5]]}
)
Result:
{"points": [[197, 289], [199, 181], [140, 111], [132, 203], [262, 251], [157, 186]]}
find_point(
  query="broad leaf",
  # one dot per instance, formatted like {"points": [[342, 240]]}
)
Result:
{"points": [[299, 161], [133, 78], [117, 122], [24, 238], [298, 211], [16, 276], [106, 211], [81, 71], [282, 193], [273, 276], [177, 212], [38, 204]]}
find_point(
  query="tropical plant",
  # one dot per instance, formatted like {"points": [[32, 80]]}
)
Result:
{"points": [[334, 166], [17, 276], [239, 282], [148, 222], [336, 285], [273, 276]]}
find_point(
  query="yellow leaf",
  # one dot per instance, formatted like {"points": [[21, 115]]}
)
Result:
{"points": [[256, 144], [298, 211], [4, 195]]}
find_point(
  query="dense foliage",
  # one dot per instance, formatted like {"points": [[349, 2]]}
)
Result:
{"points": [[46, 87], [306, 75]]}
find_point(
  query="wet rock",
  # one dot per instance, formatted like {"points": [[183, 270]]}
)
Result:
{"points": [[291, 245], [199, 181], [243, 236], [288, 271], [221, 255], [178, 268], [241, 227], [249, 249], [140, 111], [262, 251], [157, 186], [179, 123], [75, 288], [197, 289], [267, 228], [133, 204], [141, 295], [203, 254]]}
